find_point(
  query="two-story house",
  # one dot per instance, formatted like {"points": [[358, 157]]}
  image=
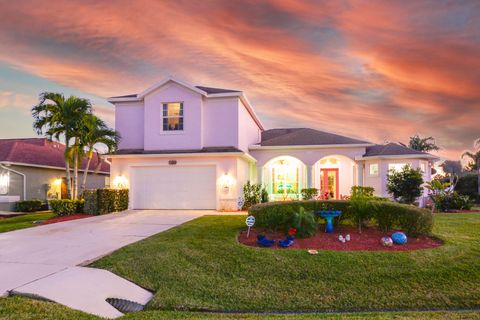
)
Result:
{"points": [[194, 147]]}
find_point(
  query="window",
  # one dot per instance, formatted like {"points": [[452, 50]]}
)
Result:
{"points": [[172, 116], [423, 167], [373, 169], [396, 166], [4, 182]]}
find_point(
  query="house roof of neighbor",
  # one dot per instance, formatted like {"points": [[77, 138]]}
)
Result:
{"points": [[304, 137], [392, 149], [43, 153]]}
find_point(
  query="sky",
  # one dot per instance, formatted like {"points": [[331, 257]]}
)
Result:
{"points": [[376, 70]]}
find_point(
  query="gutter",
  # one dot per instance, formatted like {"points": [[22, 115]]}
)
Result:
{"points": [[24, 179]]}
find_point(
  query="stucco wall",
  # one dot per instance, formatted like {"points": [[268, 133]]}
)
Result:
{"points": [[129, 119], [154, 136], [220, 122], [249, 132]]}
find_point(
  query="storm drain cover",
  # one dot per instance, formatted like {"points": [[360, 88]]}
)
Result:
{"points": [[124, 306]]}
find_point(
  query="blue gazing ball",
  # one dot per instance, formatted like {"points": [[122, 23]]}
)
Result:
{"points": [[399, 238]]}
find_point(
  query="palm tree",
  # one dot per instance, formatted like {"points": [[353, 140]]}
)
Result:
{"points": [[96, 132], [475, 157], [422, 144], [58, 117]]}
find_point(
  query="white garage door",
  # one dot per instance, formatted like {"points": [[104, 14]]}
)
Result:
{"points": [[174, 187]]}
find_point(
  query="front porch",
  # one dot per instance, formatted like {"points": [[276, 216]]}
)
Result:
{"points": [[333, 175]]}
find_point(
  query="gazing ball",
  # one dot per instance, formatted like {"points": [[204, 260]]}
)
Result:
{"points": [[386, 242], [399, 238]]}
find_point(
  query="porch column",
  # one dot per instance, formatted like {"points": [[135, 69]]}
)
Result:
{"points": [[359, 174], [260, 174], [309, 176]]}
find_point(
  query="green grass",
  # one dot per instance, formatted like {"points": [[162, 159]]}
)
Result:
{"points": [[200, 266], [25, 309], [24, 221]]}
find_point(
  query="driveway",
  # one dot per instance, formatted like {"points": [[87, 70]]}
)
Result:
{"points": [[33, 260]]}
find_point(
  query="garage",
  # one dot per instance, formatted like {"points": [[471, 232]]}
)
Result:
{"points": [[174, 187]]}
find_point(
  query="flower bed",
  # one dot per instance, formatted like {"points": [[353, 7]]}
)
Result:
{"points": [[368, 240], [66, 218]]}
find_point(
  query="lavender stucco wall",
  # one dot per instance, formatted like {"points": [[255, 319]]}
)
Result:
{"points": [[129, 123]]}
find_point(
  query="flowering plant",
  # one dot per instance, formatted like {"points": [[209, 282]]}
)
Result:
{"points": [[292, 231]]}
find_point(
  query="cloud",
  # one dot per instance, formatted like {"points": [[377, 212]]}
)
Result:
{"points": [[377, 70], [18, 101]]}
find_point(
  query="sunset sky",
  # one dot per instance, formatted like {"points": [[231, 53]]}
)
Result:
{"points": [[381, 71]]}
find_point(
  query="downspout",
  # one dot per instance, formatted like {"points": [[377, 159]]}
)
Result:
{"points": [[24, 179]]}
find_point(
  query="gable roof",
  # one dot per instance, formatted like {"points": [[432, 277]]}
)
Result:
{"points": [[211, 90], [305, 137], [40, 152], [394, 149]]}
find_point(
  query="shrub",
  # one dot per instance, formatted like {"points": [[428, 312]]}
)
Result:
{"points": [[253, 194], [362, 191], [66, 207], [404, 185], [468, 185], [387, 215], [29, 205], [309, 193], [103, 201], [362, 207], [304, 222]]}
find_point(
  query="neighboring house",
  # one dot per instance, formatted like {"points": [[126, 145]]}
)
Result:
{"points": [[35, 169], [194, 147]]}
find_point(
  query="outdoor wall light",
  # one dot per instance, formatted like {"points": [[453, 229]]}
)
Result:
{"points": [[226, 182], [120, 182], [4, 183], [57, 182]]}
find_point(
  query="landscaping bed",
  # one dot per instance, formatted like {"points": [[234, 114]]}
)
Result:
{"points": [[368, 240], [66, 218]]}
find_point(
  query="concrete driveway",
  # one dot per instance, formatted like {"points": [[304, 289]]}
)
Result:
{"points": [[43, 261]]}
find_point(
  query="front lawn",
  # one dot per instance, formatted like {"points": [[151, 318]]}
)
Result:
{"points": [[17, 308], [200, 266], [24, 221]]}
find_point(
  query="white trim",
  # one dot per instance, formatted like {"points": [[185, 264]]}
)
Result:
{"points": [[400, 156], [321, 146], [2, 165], [49, 167], [167, 80], [251, 111], [246, 156], [124, 99], [9, 199]]}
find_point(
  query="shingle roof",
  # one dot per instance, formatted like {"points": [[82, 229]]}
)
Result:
{"points": [[391, 149], [40, 152], [133, 95], [304, 137], [204, 150], [210, 90]]}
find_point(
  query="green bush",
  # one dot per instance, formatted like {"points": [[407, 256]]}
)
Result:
{"points": [[358, 191], [304, 222], [387, 215], [103, 201], [405, 185], [29, 205], [66, 207], [309, 193], [362, 207], [468, 186], [253, 194]]}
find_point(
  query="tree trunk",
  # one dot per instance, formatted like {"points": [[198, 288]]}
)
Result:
{"points": [[85, 172], [75, 174], [67, 170]]}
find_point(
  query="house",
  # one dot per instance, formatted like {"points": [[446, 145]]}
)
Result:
{"points": [[194, 147], [35, 169]]}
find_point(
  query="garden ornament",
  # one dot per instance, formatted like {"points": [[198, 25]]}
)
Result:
{"points": [[399, 238], [386, 242]]}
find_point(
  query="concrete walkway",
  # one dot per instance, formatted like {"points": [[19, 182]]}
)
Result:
{"points": [[43, 261]]}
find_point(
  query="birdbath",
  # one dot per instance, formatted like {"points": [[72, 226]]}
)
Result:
{"points": [[328, 215]]}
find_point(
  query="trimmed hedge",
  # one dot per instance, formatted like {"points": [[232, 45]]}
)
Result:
{"points": [[103, 201], [29, 205], [387, 215], [66, 207]]}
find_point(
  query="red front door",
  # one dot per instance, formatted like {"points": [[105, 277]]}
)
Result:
{"points": [[329, 183]]}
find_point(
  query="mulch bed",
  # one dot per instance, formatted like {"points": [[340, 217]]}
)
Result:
{"points": [[368, 240], [66, 218]]}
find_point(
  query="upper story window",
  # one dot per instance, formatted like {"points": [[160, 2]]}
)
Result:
{"points": [[373, 169], [423, 167], [172, 116], [396, 166]]}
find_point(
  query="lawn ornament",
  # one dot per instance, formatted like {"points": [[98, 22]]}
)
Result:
{"points": [[312, 251], [386, 241], [340, 238], [250, 221], [328, 215], [399, 238], [347, 237], [287, 242], [264, 242]]}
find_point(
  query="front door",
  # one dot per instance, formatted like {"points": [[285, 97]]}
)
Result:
{"points": [[329, 183]]}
